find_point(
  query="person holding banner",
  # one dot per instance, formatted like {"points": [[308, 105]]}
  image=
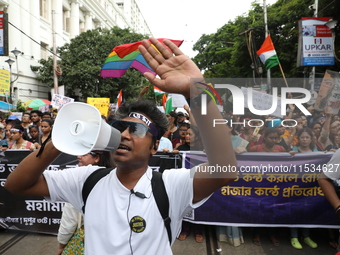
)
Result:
{"points": [[329, 183], [326, 128], [305, 144], [121, 212]]}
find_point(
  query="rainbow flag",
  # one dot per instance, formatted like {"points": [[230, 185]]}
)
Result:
{"points": [[126, 55]]}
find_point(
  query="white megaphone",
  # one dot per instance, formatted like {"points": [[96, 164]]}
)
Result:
{"points": [[79, 129]]}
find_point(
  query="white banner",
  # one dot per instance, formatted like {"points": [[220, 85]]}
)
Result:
{"points": [[262, 101], [58, 101], [329, 93]]}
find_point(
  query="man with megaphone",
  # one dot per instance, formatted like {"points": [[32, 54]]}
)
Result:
{"points": [[121, 213]]}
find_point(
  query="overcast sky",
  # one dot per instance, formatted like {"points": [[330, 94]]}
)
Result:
{"points": [[188, 19]]}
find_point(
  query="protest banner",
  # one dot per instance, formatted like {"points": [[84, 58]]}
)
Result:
{"points": [[272, 189], [102, 104], [262, 101], [329, 93], [4, 81], [58, 101]]}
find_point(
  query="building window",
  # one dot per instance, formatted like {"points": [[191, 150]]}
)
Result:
{"points": [[66, 21], [81, 27], [43, 50], [44, 9]]}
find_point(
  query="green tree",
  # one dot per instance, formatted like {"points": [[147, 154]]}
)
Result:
{"points": [[231, 51], [81, 61]]}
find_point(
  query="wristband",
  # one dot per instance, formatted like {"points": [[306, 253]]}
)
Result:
{"points": [[196, 101]]}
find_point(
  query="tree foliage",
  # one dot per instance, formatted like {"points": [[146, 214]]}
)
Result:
{"points": [[81, 61], [231, 51]]}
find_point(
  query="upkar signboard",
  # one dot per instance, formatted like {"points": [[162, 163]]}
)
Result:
{"points": [[315, 42]]}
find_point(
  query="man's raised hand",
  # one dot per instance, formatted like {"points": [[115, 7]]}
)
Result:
{"points": [[176, 71]]}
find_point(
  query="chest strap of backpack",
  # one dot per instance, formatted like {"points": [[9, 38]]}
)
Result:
{"points": [[158, 190], [162, 200]]}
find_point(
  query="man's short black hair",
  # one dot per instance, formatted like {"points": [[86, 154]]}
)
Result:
{"points": [[184, 124], [39, 113], [148, 108]]}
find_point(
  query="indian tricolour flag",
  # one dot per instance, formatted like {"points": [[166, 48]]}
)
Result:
{"points": [[157, 91], [268, 54], [119, 98]]}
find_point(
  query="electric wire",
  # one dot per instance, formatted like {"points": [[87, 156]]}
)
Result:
{"points": [[34, 40]]}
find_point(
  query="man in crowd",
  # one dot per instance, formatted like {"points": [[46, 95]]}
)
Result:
{"points": [[36, 117]]}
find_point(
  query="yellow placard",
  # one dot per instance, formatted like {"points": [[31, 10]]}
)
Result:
{"points": [[4, 82], [102, 104]]}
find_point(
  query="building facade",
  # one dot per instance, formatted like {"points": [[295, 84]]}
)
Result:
{"points": [[36, 25]]}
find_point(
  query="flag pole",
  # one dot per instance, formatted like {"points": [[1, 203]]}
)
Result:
{"points": [[266, 34], [283, 74]]}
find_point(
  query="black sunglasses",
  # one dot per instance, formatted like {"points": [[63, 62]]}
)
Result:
{"points": [[135, 128]]}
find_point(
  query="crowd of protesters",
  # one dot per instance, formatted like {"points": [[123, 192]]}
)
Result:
{"points": [[29, 132], [293, 133]]}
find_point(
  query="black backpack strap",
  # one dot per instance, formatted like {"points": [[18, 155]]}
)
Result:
{"points": [[91, 181], [162, 200]]}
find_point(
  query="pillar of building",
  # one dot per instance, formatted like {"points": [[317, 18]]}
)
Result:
{"points": [[35, 51], [25, 26], [88, 21], [57, 11], [74, 19]]}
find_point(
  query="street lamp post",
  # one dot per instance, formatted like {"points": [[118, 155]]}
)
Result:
{"points": [[10, 62]]}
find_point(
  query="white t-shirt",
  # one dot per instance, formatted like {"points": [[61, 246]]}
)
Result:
{"points": [[110, 207]]}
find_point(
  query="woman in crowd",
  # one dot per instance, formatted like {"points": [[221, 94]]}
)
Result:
{"points": [[305, 144], [192, 142], [316, 129], [69, 218], [172, 132], [34, 133], [2, 133], [335, 140], [333, 132], [284, 142], [233, 234], [271, 137], [249, 133], [305, 141], [46, 129], [7, 141], [329, 127], [183, 128], [19, 143], [269, 144]]}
